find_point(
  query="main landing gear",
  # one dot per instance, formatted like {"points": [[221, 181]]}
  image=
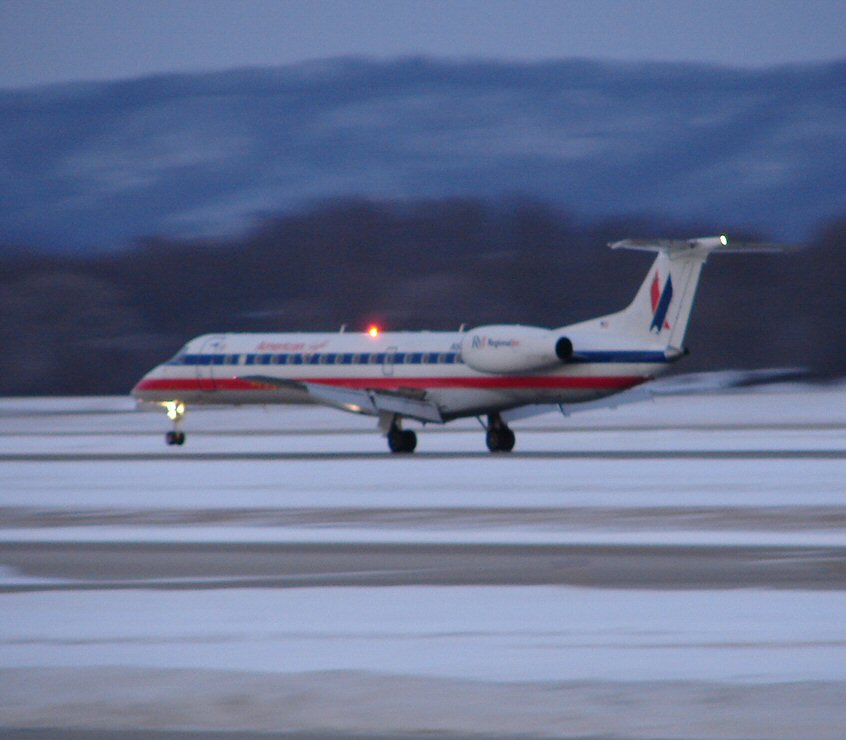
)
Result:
{"points": [[399, 439], [175, 412], [499, 437]]}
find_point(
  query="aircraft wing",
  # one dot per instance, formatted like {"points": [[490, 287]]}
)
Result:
{"points": [[679, 385], [634, 395], [363, 400], [369, 401]]}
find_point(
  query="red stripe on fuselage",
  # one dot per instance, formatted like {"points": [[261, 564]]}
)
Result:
{"points": [[495, 383], [176, 385]]}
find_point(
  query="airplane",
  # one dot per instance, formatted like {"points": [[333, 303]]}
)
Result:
{"points": [[493, 371]]}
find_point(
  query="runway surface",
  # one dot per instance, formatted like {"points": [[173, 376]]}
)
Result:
{"points": [[636, 454], [86, 566], [666, 570]]}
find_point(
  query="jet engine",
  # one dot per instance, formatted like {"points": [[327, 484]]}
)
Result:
{"points": [[513, 348]]}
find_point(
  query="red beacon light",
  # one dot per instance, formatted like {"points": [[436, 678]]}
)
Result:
{"points": [[373, 331]]}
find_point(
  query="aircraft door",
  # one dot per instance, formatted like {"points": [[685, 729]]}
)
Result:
{"points": [[388, 364], [211, 354]]}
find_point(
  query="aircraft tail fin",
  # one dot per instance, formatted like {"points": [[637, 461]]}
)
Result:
{"points": [[661, 309]]}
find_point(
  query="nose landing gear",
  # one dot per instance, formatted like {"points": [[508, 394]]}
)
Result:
{"points": [[175, 412], [175, 438]]}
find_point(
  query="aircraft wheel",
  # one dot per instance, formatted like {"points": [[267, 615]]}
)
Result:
{"points": [[400, 440], [175, 438], [500, 439], [409, 440]]}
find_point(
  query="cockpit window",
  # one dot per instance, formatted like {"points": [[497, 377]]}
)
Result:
{"points": [[181, 357]]}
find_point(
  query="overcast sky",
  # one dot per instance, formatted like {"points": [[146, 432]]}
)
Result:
{"points": [[45, 41]]}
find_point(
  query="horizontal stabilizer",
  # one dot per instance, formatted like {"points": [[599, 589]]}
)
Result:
{"points": [[705, 244]]}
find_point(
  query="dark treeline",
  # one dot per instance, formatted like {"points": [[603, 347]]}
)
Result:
{"points": [[94, 325]]}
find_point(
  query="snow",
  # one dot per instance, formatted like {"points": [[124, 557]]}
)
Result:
{"points": [[481, 633], [473, 498], [522, 634], [339, 534], [419, 482]]}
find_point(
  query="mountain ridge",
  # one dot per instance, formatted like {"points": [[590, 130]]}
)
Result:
{"points": [[104, 164]]}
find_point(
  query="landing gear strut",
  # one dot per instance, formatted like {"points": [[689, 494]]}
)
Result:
{"points": [[399, 439], [499, 437], [175, 412]]}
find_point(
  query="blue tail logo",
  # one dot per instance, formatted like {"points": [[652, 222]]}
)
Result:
{"points": [[660, 303]]}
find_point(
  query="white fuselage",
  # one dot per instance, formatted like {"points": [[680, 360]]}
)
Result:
{"points": [[270, 368]]}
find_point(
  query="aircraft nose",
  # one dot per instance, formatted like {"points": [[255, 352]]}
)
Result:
{"points": [[138, 388], [142, 389]]}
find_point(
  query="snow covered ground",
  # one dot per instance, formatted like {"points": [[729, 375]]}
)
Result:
{"points": [[763, 467], [485, 634]]}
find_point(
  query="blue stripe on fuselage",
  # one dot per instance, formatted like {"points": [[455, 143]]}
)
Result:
{"points": [[619, 356], [400, 358]]}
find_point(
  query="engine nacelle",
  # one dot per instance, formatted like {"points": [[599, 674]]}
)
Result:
{"points": [[513, 348]]}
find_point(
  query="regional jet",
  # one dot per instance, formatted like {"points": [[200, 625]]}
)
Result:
{"points": [[490, 372]]}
